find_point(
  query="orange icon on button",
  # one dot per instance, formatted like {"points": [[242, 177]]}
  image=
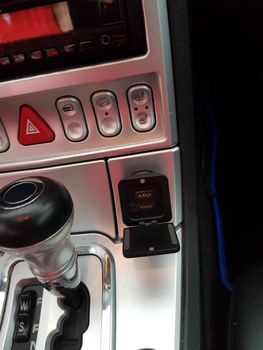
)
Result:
{"points": [[33, 129]]}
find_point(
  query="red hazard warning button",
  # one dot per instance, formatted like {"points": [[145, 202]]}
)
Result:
{"points": [[33, 128]]}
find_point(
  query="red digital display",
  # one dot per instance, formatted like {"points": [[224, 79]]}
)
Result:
{"points": [[35, 22]]}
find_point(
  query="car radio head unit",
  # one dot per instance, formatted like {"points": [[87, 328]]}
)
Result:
{"points": [[46, 35]]}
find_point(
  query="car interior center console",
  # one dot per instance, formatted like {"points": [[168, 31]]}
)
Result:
{"points": [[88, 104]]}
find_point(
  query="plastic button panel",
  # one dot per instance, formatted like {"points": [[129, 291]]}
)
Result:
{"points": [[72, 118], [107, 113], [141, 107]]}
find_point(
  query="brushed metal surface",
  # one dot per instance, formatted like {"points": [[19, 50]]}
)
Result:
{"points": [[41, 92], [52, 314], [4, 140], [91, 275], [165, 162], [88, 185], [140, 300]]}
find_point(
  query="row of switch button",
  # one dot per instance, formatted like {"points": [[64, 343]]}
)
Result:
{"points": [[36, 55], [33, 129]]}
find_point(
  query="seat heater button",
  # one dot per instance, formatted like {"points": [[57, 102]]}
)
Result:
{"points": [[36, 55], [143, 121], [141, 107], [4, 140], [139, 95], [72, 118], [107, 113], [22, 331], [52, 52]]}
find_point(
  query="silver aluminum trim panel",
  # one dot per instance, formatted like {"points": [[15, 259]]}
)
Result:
{"points": [[88, 185], [147, 310], [41, 92], [7, 263], [149, 302], [165, 162], [48, 324], [4, 140], [51, 314]]}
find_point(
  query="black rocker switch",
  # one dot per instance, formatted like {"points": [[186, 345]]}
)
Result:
{"points": [[26, 302], [146, 210], [24, 317], [23, 328]]}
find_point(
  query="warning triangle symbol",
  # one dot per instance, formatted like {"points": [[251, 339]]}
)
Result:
{"points": [[31, 128]]}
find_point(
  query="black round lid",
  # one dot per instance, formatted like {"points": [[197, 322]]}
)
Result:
{"points": [[32, 210]]}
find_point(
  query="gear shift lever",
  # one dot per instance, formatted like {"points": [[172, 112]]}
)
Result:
{"points": [[36, 216]]}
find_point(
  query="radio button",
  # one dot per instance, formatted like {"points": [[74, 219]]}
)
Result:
{"points": [[141, 107], [36, 55], [52, 52], [86, 45], [72, 118], [4, 140], [19, 58], [4, 61], [71, 48], [107, 113]]}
